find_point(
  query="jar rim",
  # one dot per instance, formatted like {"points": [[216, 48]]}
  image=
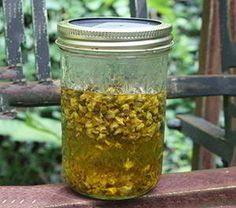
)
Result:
{"points": [[113, 33]]}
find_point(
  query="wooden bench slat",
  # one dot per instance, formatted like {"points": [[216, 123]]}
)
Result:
{"points": [[209, 188], [34, 94], [14, 34], [228, 33], [201, 85], [31, 94], [41, 39], [138, 8], [209, 63], [208, 135], [228, 58], [8, 72]]}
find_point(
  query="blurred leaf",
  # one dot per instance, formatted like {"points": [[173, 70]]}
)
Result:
{"points": [[94, 4], [54, 5], [39, 129], [164, 7]]}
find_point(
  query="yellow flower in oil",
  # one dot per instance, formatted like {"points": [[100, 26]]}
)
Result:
{"points": [[102, 134], [100, 147], [128, 164], [112, 113], [73, 102], [82, 109], [112, 191], [125, 107], [88, 124], [101, 137], [140, 126], [114, 125], [118, 131], [119, 120], [147, 168], [149, 116], [108, 143]]}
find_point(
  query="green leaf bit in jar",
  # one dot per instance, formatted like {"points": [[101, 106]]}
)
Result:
{"points": [[112, 142]]}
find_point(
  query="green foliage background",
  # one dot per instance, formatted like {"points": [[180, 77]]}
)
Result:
{"points": [[30, 144]]}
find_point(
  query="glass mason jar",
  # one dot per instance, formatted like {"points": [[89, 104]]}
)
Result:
{"points": [[113, 92]]}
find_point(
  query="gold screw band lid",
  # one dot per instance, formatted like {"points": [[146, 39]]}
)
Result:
{"points": [[113, 34]]}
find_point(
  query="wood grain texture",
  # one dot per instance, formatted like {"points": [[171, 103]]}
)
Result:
{"points": [[14, 34], [39, 12], [209, 64], [211, 188], [48, 93]]}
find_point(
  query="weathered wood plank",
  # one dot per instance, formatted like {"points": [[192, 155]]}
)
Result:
{"points": [[209, 63], [228, 54], [35, 94], [201, 85], [228, 33], [232, 18], [41, 39], [14, 34], [211, 188], [6, 112], [8, 73], [138, 8], [208, 135], [31, 94]]}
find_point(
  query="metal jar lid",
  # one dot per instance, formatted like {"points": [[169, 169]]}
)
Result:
{"points": [[114, 34]]}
